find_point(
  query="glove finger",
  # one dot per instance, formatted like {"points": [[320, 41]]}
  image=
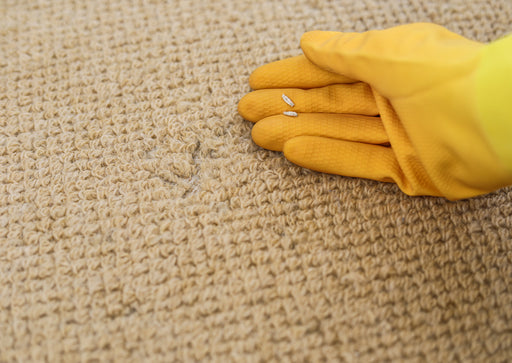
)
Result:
{"points": [[345, 158], [354, 98], [295, 72], [272, 132]]}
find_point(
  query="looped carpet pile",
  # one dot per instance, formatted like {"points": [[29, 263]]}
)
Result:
{"points": [[138, 221]]}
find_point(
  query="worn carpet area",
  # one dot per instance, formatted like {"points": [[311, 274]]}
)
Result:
{"points": [[139, 222]]}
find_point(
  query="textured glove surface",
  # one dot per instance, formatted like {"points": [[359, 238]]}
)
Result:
{"points": [[394, 105]]}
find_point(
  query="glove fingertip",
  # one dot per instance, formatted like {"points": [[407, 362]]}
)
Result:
{"points": [[247, 108], [315, 46], [312, 41], [266, 136], [257, 78], [294, 150], [316, 36]]}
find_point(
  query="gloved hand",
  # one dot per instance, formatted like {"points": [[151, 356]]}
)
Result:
{"points": [[397, 105]]}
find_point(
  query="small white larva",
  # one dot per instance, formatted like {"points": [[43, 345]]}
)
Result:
{"points": [[291, 113], [287, 100]]}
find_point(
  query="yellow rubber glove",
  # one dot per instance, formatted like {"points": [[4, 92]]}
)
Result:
{"points": [[396, 105]]}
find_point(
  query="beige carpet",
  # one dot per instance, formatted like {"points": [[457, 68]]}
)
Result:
{"points": [[138, 221]]}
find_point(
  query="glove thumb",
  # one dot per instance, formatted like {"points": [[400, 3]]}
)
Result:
{"points": [[396, 61]]}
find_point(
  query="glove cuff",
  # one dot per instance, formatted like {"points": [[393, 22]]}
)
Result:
{"points": [[494, 96]]}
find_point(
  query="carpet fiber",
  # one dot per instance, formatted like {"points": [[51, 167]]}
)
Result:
{"points": [[139, 222]]}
